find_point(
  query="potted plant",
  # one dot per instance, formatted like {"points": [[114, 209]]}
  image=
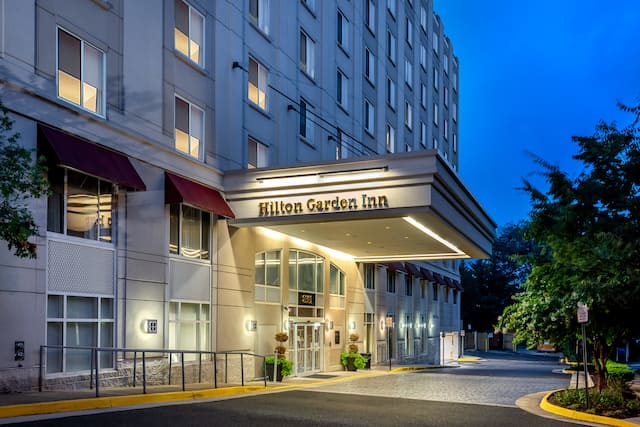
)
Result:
{"points": [[352, 360], [283, 366]]}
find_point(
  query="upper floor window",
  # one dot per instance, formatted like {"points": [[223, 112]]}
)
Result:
{"points": [[408, 115], [307, 59], [259, 14], [336, 286], [435, 42], [423, 19], [369, 65], [391, 6], [306, 123], [369, 114], [342, 86], [306, 279], [435, 114], [390, 139], [189, 32], [455, 143], [257, 86], [267, 276], [423, 134], [446, 97], [343, 145], [446, 129], [391, 47], [371, 15], [408, 281], [189, 128], [435, 78], [435, 291], [257, 154], [391, 93], [408, 73], [343, 30], [423, 57], [311, 4], [189, 234], [80, 205], [391, 281], [80, 73], [423, 96], [445, 64], [369, 276], [409, 32]]}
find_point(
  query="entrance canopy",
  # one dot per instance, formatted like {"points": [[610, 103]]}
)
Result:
{"points": [[408, 206]]}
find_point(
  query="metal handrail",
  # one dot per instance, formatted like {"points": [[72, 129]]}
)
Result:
{"points": [[94, 367]]}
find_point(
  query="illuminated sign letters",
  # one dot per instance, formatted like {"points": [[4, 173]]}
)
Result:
{"points": [[313, 206]]}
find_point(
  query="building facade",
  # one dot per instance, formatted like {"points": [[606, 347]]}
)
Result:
{"points": [[224, 170]]}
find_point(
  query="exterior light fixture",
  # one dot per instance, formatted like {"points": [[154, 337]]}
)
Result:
{"points": [[251, 325]]}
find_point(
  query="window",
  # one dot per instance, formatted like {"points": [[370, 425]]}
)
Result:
{"points": [[391, 6], [189, 32], [391, 93], [454, 112], [189, 328], [423, 19], [408, 73], [423, 95], [446, 97], [434, 42], [446, 129], [307, 54], [390, 139], [259, 14], [409, 32], [423, 57], [455, 296], [423, 292], [80, 205], [342, 85], [257, 84], [369, 113], [445, 64], [455, 143], [267, 277], [369, 66], [435, 143], [343, 145], [306, 294], [435, 114], [391, 281], [435, 78], [435, 291], [189, 234], [445, 295], [83, 321], [80, 73], [408, 115], [306, 123], [423, 134], [371, 15], [454, 81], [257, 154], [391, 47], [336, 286], [408, 281], [189, 124], [407, 147], [343, 30], [311, 4], [369, 276]]}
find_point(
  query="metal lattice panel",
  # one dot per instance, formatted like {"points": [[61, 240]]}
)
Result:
{"points": [[77, 268]]}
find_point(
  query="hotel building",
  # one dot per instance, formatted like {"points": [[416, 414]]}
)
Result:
{"points": [[222, 170]]}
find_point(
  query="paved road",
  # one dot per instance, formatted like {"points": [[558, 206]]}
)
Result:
{"points": [[500, 380], [478, 394]]}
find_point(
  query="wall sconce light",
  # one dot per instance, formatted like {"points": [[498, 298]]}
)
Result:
{"points": [[251, 325], [330, 325], [382, 323], [352, 325], [150, 326]]}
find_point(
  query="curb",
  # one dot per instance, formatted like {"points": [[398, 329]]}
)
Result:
{"points": [[42, 408], [582, 416]]}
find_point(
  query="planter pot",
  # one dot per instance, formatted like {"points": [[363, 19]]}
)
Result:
{"points": [[350, 365], [270, 372]]}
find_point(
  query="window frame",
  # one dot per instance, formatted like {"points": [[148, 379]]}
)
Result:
{"points": [[390, 138], [369, 117], [391, 93], [261, 17], [189, 37], [370, 16], [409, 32], [369, 66], [266, 285], [408, 115], [342, 89], [408, 73], [307, 56], [369, 276], [307, 128], [101, 102], [391, 281], [262, 84], [204, 234], [423, 134], [191, 107], [198, 323], [391, 47], [261, 153], [342, 35]]}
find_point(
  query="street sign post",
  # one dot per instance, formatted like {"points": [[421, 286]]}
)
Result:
{"points": [[583, 318]]}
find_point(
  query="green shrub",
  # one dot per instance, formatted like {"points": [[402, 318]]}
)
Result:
{"points": [[359, 361], [609, 400], [286, 365]]}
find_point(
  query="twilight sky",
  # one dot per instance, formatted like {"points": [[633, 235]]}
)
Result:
{"points": [[533, 74]]}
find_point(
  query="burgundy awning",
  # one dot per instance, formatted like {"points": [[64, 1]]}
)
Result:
{"points": [[412, 269], [182, 190], [427, 274], [67, 150], [396, 266]]}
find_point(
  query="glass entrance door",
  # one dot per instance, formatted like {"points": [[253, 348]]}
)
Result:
{"points": [[307, 348]]}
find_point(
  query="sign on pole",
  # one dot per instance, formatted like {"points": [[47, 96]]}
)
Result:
{"points": [[583, 313]]}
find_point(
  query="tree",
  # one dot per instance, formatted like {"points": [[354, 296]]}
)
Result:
{"points": [[588, 232], [20, 180], [489, 284]]}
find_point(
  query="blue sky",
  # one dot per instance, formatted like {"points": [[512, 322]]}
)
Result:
{"points": [[533, 74]]}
